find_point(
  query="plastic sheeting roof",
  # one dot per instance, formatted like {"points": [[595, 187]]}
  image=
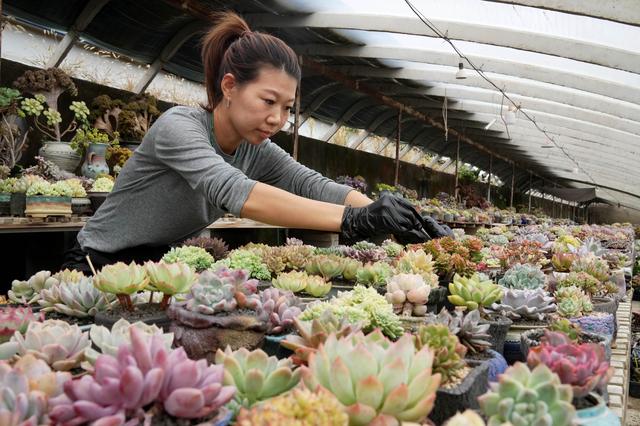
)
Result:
{"points": [[572, 66]]}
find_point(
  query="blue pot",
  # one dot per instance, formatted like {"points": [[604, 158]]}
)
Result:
{"points": [[95, 160], [271, 345], [598, 415], [497, 365]]}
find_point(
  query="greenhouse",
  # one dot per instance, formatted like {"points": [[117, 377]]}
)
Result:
{"points": [[309, 213]]}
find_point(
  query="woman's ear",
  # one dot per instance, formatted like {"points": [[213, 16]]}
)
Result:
{"points": [[228, 85]]}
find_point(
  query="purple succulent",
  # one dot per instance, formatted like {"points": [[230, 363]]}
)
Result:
{"points": [[278, 310], [239, 278], [143, 374]]}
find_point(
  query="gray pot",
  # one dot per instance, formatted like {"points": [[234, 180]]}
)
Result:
{"points": [[18, 203], [531, 338], [498, 329], [465, 395], [60, 154]]}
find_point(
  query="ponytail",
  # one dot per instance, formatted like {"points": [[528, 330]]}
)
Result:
{"points": [[231, 47]]}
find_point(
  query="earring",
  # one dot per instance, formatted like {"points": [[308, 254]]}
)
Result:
{"points": [[228, 102]]}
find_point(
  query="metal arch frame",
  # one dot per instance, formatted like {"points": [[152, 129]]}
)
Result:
{"points": [[171, 48], [603, 9], [83, 20], [565, 78], [323, 94], [346, 115], [514, 85], [372, 127], [532, 41]]}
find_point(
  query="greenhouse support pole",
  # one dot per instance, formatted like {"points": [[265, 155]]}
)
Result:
{"points": [[530, 190], [455, 191], [395, 179], [513, 182], [490, 171], [296, 123], [1, 30]]}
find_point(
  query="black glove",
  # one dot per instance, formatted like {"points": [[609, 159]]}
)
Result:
{"points": [[388, 215], [434, 229]]}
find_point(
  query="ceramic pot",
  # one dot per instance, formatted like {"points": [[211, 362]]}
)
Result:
{"points": [[95, 160], [60, 154], [43, 206], [597, 415]]}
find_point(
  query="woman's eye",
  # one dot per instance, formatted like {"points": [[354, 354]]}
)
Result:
{"points": [[270, 101], [289, 108]]}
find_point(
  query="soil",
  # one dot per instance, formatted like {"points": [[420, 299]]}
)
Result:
{"points": [[139, 313], [586, 402], [455, 381], [478, 356], [68, 319], [530, 323]]}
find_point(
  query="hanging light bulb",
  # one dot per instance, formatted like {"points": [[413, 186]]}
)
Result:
{"points": [[462, 73], [510, 116]]}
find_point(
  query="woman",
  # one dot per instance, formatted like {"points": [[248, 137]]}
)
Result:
{"points": [[196, 164]]}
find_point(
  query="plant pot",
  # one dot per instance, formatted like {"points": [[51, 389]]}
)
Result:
{"points": [[512, 345], [94, 160], [18, 203], [43, 206], [80, 205], [531, 338], [498, 329], [271, 345], [463, 396], [604, 304], [410, 323], [5, 204], [495, 361], [636, 294], [60, 154], [335, 288], [147, 313], [596, 415], [634, 389], [596, 322], [437, 299], [96, 199], [448, 217], [202, 335]]}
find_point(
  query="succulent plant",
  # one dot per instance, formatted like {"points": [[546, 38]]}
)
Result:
{"points": [[466, 327], [247, 260], [212, 294], [392, 248], [584, 281], [450, 257], [365, 252], [351, 268], [294, 281], [526, 397], [569, 329], [374, 274], [582, 366], [103, 184], [142, 373], [467, 418], [418, 262], [216, 247], [534, 305], [565, 244], [40, 376], [28, 292], [523, 252], [473, 292], [81, 299], [196, 257], [448, 353], [593, 266], [108, 341], [591, 245], [56, 342], [572, 302], [69, 276], [326, 265], [122, 280], [562, 261], [408, 293], [169, 279], [299, 407], [278, 309], [378, 381], [255, 375], [523, 277], [17, 319]]}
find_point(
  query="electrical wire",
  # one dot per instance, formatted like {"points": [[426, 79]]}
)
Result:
{"points": [[481, 73]]}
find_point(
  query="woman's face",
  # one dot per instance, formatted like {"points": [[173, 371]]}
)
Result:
{"points": [[261, 107]]}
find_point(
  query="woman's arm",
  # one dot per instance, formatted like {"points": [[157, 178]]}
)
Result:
{"points": [[357, 199]]}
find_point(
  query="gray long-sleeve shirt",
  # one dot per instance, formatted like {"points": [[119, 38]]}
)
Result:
{"points": [[179, 181]]}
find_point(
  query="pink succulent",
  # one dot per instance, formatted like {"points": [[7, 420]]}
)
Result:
{"points": [[16, 319], [582, 366], [143, 373]]}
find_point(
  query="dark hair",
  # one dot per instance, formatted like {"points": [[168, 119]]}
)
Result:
{"points": [[231, 47]]}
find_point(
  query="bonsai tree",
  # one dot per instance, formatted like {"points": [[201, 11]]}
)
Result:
{"points": [[46, 86], [137, 116], [12, 138]]}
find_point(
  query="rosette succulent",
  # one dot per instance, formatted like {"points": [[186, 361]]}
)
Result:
{"points": [[584, 281], [582, 366], [28, 292], [212, 294], [311, 334], [351, 268], [365, 252], [17, 319], [523, 277], [328, 266], [378, 381], [216, 247], [467, 327], [317, 286], [196, 257], [532, 305], [247, 260], [374, 274], [294, 281], [562, 261], [299, 407], [108, 341], [448, 353], [392, 248], [102, 184], [473, 292], [122, 280], [69, 276], [593, 266], [408, 293], [418, 262], [81, 299], [255, 375], [170, 279], [566, 327], [526, 397], [55, 342], [143, 373], [467, 418], [278, 309], [572, 302]]}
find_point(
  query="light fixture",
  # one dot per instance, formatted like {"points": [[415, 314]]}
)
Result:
{"points": [[462, 73], [576, 170], [491, 123], [510, 116]]}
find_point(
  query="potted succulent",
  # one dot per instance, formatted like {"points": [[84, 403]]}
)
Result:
{"points": [[569, 330], [299, 281], [48, 199], [5, 196], [408, 293], [216, 247], [80, 204], [46, 86], [92, 144], [18, 189], [196, 257], [99, 191]]}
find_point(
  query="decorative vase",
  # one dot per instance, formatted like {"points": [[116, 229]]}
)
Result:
{"points": [[95, 160], [60, 154], [597, 415], [18, 203], [96, 199], [43, 206]]}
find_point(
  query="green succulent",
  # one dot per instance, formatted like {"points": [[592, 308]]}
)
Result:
{"points": [[374, 274], [392, 248], [248, 260], [448, 353], [524, 397], [582, 280], [473, 292], [294, 281], [197, 258], [28, 292], [418, 262], [102, 184], [592, 265], [328, 266], [81, 299], [570, 329], [255, 375], [350, 268], [523, 277], [572, 301]]}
